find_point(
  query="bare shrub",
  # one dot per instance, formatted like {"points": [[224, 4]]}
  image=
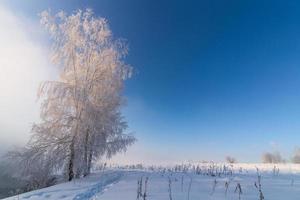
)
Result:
{"points": [[170, 189], [226, 187], [145, 189], [189, 188], [259, 187], [139, 188], [230, 159], [238, 189], [214, 187], [182, 183]]}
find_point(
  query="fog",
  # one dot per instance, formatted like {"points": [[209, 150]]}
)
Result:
{"points": [[23, 65]]}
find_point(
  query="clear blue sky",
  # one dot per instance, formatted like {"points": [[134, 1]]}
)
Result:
{"points": [[214, 78]]}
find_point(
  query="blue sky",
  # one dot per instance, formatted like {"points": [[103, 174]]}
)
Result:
{"points": [[213, 78]]}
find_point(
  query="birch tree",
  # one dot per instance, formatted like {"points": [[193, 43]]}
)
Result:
{"points": [[80, 111]]}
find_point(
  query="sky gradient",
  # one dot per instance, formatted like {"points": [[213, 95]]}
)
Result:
{"points": [[213, 78]]}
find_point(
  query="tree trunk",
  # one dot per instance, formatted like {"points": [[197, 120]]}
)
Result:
{"points": [[90, 156], [71, 161], [86, 144], [90, 162], [72, 151]]}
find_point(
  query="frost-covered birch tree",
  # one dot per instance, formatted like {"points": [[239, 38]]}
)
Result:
{"points": [[80, 112]]}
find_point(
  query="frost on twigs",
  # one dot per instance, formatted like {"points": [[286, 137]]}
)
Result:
{"points": [[80, 112]]}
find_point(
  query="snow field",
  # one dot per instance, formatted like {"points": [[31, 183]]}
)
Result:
{"points": [[278, 182]]}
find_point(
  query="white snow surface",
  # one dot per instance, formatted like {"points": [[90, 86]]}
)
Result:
{"points": [[122, 184]]}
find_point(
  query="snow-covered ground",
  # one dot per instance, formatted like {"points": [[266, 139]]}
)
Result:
{"points": [[123, 185], [79, 189]]}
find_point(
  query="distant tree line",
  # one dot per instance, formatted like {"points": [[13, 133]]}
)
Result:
{"points": [[276, 157], [272, 157]]}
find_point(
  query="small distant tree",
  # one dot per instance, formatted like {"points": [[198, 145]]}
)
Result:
{"points": [[272, 157], [267, 158], [230, 159], [296, 156]]}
